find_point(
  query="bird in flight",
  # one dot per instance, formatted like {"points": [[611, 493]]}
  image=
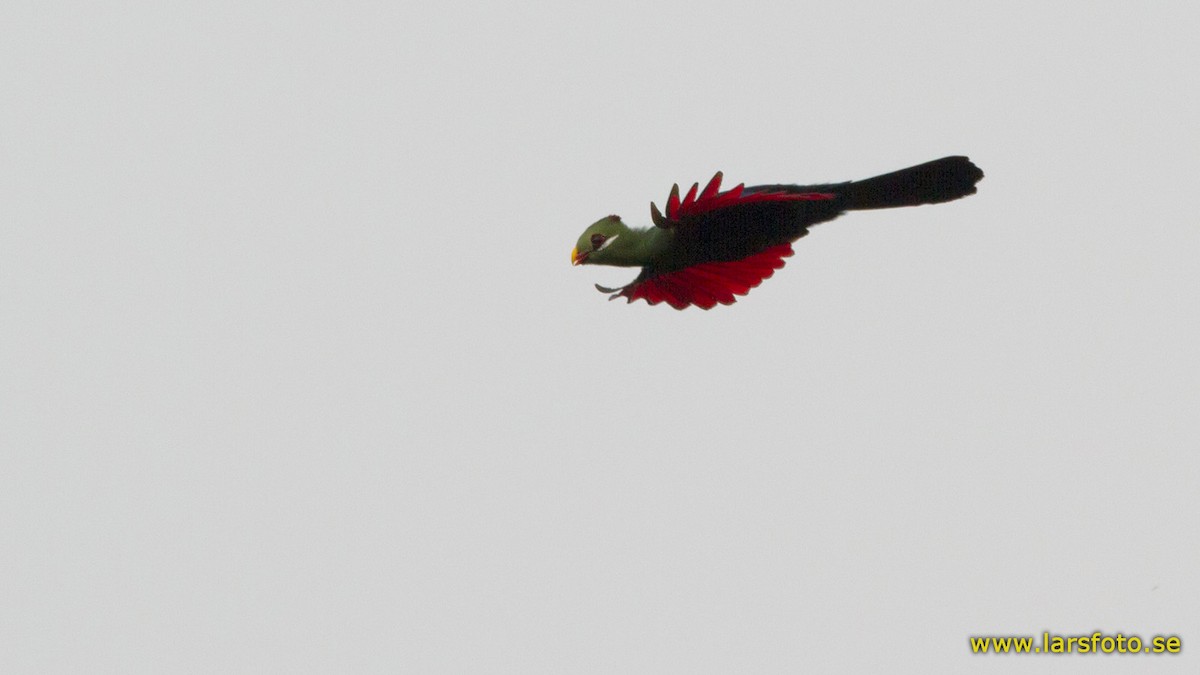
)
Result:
{"points": [[713, 245]]}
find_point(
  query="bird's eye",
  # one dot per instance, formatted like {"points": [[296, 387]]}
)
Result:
{"points": [[597, 241]]}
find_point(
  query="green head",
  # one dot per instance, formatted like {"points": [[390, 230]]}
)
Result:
{"points": [[607, 241]]}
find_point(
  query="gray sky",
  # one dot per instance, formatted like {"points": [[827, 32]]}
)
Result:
{"points": [[297, 377]]}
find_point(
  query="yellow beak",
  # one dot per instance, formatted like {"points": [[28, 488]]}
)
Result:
{"points": [[575, 259]]}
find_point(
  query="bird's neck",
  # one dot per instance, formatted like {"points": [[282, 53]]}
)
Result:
{"points": [[639, 247]]}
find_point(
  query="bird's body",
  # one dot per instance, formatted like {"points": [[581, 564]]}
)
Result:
{"points": [[712, 246]]}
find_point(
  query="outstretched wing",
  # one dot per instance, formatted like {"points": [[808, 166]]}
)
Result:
{"points": [[712, 199], [703, 284], [726, 243]]}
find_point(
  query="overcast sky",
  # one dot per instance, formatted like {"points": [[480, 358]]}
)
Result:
{"points": [[295, 374]]}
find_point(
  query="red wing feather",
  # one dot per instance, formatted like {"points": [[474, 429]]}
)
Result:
{"points": [[707, 284], [711, 198]]}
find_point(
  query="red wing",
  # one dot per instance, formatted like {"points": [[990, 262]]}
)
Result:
{"points": [[712, 199], [708, 283], [705, 284]]}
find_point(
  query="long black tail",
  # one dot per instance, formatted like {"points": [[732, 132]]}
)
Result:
{"points": [[941, 180]]}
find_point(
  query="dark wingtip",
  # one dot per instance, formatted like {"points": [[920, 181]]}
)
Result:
{"points": [[657, 218]]}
